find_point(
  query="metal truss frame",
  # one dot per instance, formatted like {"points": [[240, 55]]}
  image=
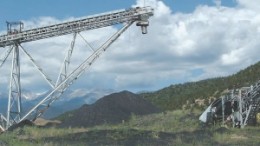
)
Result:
{"points": [[14, 101], [14, 39], [248, 99]]}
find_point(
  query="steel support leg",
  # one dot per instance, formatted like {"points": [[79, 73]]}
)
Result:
{"points": [[14, 100], [65, 66]]}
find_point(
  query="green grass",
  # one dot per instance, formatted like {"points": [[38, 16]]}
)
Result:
{"points": [[169, 128], [176, 121], [245, 136]]}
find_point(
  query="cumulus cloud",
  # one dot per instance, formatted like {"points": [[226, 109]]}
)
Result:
{"points": [[249, 4], [211, 41], [218, 3]]}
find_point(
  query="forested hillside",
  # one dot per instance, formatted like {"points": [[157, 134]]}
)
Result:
{"points": [[175, 96]]}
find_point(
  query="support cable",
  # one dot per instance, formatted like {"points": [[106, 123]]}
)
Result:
{"points": [[6, 55], [88, 44], [49, 81], [65, 66]]}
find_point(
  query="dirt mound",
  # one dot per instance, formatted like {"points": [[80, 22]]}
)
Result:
{"points": [[46, 123], [110, 109], [21, 125]]}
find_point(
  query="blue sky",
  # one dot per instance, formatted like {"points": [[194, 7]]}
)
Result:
{"points": [[187, 40], [15, 10]]}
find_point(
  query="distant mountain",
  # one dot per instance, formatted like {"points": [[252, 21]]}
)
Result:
{"points": [[71, 99], [30, 95], [175, 96], [110, 109]]}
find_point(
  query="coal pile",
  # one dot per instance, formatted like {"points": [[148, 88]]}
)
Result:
{"points": [[21, 125], [110, 109]]}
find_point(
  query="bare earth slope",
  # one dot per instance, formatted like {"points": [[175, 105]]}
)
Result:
{"points": [[111, 109]]}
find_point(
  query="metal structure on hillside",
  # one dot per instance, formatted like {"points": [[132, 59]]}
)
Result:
{"points": [[16, 36], [240, 107]]}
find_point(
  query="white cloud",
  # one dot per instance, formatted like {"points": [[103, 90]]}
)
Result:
{"points": [[249, 4], [216, 42], [218, 3]]}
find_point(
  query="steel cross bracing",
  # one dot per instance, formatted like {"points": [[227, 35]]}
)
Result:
{"points": [[92, 22], [244, 113], [14, 39], [14, 100], [248, 99]]}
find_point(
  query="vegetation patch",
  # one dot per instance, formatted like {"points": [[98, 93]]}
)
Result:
{"points": [[184, 95]]}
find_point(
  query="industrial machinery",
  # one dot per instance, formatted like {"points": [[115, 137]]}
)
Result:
{"points": [[16, 36], [239, 107]]}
